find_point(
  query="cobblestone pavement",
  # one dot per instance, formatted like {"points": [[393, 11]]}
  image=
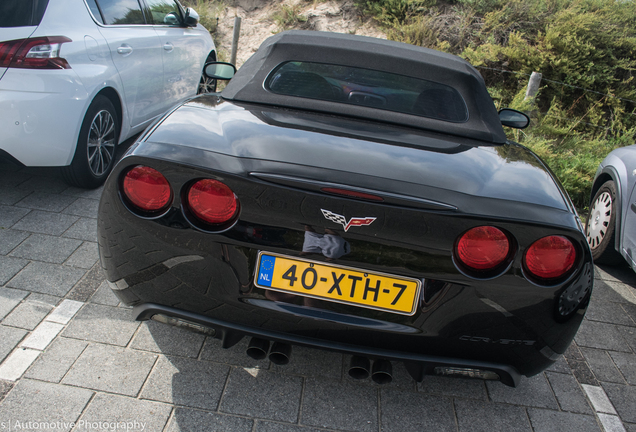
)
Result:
{"points": [[72, 357]]}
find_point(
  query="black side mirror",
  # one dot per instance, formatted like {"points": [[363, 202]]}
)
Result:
{"points": [[513, 118], [191, 17], [219, 70]]}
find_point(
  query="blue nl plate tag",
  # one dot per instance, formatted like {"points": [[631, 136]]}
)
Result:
{"points": [[266, 270]]}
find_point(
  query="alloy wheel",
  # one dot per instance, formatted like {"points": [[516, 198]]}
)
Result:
{"points": [[101, 142]]}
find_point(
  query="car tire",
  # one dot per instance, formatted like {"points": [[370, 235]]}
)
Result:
{"points": [[96, 146], [599, 228]]}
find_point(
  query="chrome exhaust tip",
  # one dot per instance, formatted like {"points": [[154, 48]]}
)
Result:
{"points": [[382, 372], [258, 348], [359, 367], [280, 353]]}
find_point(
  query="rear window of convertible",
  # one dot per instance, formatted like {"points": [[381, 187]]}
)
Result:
{"points": [[366, 87]]}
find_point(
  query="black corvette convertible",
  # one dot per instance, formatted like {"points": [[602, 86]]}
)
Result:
{"points": [[350, 194]]}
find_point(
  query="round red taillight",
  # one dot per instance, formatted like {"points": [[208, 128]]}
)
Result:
{"points": [[550, 257], [212, 202], [482, 248], [147, 189]]}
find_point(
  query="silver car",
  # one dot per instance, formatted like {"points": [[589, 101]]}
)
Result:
{"points": [[611, 223], [79, 76]]}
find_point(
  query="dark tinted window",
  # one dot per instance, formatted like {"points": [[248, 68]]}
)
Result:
{"points": [[21, 13], [95, 11], [375, 89], [120, 12]]}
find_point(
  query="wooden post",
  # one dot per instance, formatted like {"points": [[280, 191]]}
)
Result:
{"points": [[533, 85], [235, 39]]}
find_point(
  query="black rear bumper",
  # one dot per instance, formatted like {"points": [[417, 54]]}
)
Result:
{"points": [[417, 365]]}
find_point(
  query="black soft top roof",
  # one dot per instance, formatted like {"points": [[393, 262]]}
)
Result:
{"points": [[376, 54]]}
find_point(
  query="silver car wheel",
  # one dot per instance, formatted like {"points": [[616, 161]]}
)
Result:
{"points": [[101, 142], [206, 85], [600, 216]]}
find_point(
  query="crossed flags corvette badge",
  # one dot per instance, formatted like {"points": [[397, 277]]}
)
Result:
{"points": [[354, 221]]}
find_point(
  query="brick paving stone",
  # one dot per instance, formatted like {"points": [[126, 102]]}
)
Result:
{"points": [[105, 324], [46, 201], [65, 311], [36, 401], [46, 278], [266, 426], [83, 207], [45, 222], [87, 286], [17, 363], [9, 216], [602, 365], [187, 420], [531, 392], [456, 387], [43, 180], [630, 310], [560, 366], [312, 362], [9, 239], [161, 338], [625, 291], [607, 312], [10, 338], [84, 229], [44, 298], [141, 415], [582, 372], [569, 394], [9, 197], [55, 362], [603, 292], [84, 193], [84, 257], [186, 382], [629, 334], [28, 315], [46, 248], [626, 363], [111, 369], [611, 423], [42, 336], [478, 416], [553, 421], [235, 355], [623, 398], [262, 394], [5, 387], [408, 411], [104, 295], [340, 405], [9, 299], [630, 427], [600, 335], [9, 267]]}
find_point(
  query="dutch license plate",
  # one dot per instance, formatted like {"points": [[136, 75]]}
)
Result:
{"points": [[336, 283]]}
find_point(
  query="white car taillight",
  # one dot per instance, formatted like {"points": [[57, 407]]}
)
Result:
{"points": [[34, 53]]}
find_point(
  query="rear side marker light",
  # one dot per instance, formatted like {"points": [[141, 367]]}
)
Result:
{"points": [[34, 53], [147, 190], [212, 202], [550, 258], [482, 248]]}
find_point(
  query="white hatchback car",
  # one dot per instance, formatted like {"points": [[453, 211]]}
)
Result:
{"points": [[79, 76]]}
